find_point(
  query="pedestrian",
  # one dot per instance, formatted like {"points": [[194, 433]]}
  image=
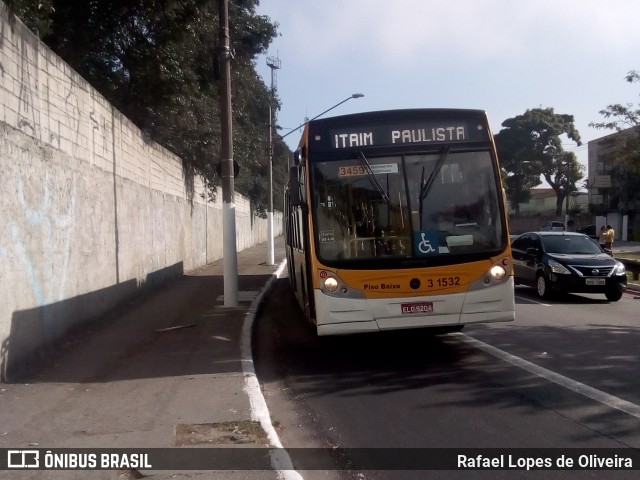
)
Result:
{"points": [[609, 234], [602, 237]]}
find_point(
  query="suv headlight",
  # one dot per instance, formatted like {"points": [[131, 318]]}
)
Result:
{"points": [[558, 268], [620, 270]]}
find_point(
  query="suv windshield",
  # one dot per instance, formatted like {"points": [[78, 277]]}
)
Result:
{"points": [[570, 244], [412, 206]]}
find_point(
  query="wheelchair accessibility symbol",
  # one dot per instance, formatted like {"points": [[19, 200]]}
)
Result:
{"points": [[426, 243], [425, 246]]}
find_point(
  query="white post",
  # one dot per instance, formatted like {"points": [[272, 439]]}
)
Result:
{"points": [[230, 253], [226, 161], [270, 246]]}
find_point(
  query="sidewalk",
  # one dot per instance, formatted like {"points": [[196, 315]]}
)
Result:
{"points": [[163, 371], [620, 246]]}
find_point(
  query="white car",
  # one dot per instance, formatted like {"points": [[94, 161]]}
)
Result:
{"points": [[552, 226]]}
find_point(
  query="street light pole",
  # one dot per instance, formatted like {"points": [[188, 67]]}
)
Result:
{"points": [[355, 95], [274, 64], [229, 249]]}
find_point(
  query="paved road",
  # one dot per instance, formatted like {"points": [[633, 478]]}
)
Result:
{"points": [[473, 390]]}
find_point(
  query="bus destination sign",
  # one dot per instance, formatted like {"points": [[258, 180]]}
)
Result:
{"points": [[394, 135]]}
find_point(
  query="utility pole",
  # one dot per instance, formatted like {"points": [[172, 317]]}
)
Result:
{"points": [[274, 64], [228, 206]]}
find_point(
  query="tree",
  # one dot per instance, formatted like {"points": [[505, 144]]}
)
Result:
{"points": [[620, 116], [520, 175], [36, 15], [530, 145], [155, 61]]}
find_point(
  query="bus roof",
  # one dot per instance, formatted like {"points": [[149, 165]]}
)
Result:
{"points": [[403, 113]]}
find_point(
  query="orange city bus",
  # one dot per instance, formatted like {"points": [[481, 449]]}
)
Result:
{"points": [[396, 219]]}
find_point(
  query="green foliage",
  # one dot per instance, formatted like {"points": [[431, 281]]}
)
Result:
{"points": [[155, 61], [35, 14], [520, 176], [530, 146], [620, 116]]}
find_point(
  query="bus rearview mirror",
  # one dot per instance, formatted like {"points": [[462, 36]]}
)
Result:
{"points": [[295, 194]]}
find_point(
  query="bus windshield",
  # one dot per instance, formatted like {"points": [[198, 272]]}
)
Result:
{"points": [[406, 206]]}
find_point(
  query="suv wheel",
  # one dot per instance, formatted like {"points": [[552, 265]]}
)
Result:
{"points": [[613, 295], [543, 287]]}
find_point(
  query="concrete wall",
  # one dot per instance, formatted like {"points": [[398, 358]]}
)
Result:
{"points": [[90, 210]]}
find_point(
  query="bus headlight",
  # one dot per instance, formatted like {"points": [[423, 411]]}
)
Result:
{"points": [[497, 273], [330, 284]]}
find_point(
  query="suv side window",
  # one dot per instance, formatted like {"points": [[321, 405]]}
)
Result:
{"points": [[536, 243], [522, 242]]}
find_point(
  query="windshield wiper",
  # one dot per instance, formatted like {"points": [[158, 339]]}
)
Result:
{"points": [[426, 186], [372, 178]]}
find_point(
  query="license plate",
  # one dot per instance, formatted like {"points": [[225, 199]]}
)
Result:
{"points": [[596, 281], [417, 307]]}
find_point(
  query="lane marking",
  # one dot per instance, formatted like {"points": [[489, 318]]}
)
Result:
{"points": [[580, 388], [531, 300], [280, 461]]}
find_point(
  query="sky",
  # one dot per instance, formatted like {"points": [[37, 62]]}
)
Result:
{"points": [[501, 56]]}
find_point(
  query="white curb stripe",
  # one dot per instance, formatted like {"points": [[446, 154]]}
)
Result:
{"points": [[259, 410]]}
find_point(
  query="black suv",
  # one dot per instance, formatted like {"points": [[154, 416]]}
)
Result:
{"points": [[589, 230], [555, 262]]}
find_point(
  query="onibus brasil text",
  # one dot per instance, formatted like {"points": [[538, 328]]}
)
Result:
{"points": [[93, 460]]}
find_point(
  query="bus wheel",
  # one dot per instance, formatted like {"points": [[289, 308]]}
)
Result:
{"points": [[445, 330], [306, 308]]}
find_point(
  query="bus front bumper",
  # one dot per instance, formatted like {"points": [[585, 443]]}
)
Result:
{"points": [[336, 316]]}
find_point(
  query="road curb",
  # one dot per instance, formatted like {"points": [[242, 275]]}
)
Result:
{"points": [[635, 290], [281, 463]]}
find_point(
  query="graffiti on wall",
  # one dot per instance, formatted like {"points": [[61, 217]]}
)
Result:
{"points": [[41, 235], [43, 112], [26, 110]]}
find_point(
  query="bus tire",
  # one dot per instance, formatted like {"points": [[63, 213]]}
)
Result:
{"points": [[446, 330], [306, 307]]}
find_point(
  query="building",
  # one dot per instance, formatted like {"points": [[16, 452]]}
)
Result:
{"points": [[543, 202], [614, 181], [541, 207]]}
